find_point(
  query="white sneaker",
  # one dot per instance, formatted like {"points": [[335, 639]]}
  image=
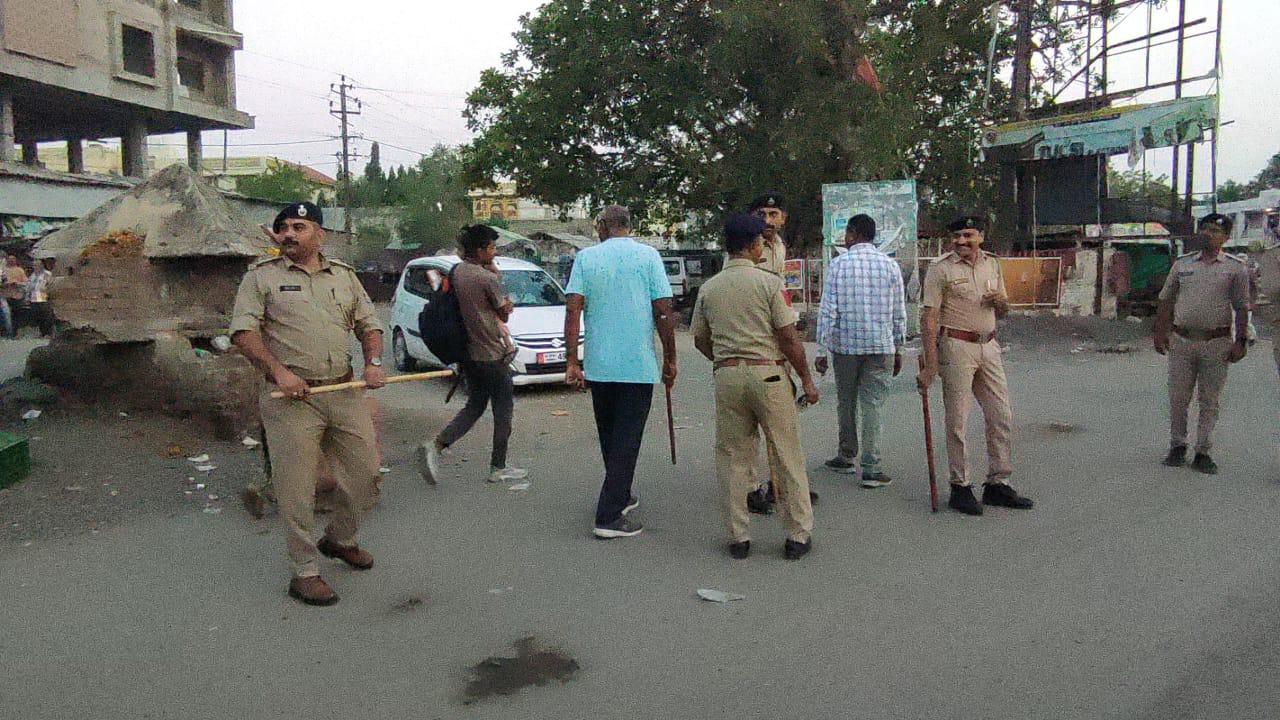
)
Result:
{"points": [[508, 474], [428, 457]]}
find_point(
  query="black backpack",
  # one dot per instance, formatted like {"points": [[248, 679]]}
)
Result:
{"points": [[440, 324]]}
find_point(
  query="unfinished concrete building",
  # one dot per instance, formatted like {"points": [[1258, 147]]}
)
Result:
{"points": [[78, 70]]}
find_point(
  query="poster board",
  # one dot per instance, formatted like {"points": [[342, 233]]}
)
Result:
{"points": [[793, 274], [1033, 282], [891, 203]]}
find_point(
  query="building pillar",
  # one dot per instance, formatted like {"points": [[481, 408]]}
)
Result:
{"points": [[133, 148], [6, 126], [75, 155], [30, 152], [195, 151]]}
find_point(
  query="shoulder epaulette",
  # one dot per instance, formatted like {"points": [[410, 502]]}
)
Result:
{"points": [[339, 263], [265, 261], [1237, 258], [1189, 254]]}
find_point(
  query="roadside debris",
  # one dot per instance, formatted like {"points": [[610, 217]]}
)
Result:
{"points": [[31, 415], [173, 452], [1119, 349], [719, 596], [206, 468], [559, 413], [519, 487], [250, 442], [199, 459], [411, 603]]}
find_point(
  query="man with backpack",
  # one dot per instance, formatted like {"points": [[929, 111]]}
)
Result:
{"points": [[483, 307]]}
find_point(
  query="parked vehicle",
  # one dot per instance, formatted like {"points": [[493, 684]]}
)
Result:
{"points": [[687, 270], [536, 324]]}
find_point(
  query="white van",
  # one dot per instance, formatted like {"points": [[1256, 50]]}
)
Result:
{"points": [[536, 324]]}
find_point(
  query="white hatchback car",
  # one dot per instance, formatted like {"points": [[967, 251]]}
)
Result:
{"points": [[536, 324]]}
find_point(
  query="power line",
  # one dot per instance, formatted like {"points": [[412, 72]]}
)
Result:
{"points": [[344, 113], [263, 144]]}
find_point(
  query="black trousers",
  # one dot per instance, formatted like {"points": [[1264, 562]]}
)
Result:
{"points": [[486, 381], [621, 410]]}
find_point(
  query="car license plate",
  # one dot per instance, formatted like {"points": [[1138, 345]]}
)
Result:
{"points": [[550, 357]]}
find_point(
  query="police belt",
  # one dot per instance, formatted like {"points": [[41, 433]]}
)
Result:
{"points": [[1199, 335], [969, 335], [330, 381], [734, 362]]}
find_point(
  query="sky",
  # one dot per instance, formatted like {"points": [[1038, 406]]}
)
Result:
{"points": [[414, 61]]}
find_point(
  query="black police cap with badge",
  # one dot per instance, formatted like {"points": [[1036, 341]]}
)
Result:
{"points": [[769, 200], [298, 211], [967, 222]]}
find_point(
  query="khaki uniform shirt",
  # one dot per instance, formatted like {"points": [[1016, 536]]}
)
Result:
{"points": [[1206, 294], [775, 257], [306, 319], [739, 309], [955, 288]]}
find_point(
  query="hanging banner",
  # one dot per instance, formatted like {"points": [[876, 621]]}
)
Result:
{"points": [[1128, 129], [891, 203]]}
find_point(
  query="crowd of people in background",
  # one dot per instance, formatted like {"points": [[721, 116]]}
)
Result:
{"points": [[24, 297]]}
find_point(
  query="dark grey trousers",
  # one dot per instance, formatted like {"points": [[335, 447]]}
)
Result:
{"points": [[486, 382]]}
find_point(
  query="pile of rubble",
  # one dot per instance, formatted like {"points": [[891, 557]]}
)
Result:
{"points": [[143, 295]]}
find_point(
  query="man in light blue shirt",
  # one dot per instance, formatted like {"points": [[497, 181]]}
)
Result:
{"points": [[622, 287], [862, 320]]}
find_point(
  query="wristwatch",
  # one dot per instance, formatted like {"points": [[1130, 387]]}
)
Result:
{"points": [[376, 362]]}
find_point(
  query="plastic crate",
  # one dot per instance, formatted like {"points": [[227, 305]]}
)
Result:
{"points": [[15, 459]]}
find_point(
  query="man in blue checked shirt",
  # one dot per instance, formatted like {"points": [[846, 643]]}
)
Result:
{"points": [[862, 320]]}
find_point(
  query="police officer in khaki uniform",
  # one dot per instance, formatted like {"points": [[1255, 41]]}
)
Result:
{"points": [[742, 324], [1205, 303], [964, 294], [293, 319], [771, 208]]}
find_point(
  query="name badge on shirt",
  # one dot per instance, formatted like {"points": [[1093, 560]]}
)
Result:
{"points": [[1186, 273], [290, 288]]}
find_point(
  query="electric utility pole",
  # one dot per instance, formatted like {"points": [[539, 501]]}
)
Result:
{"points": [[343, 112]]}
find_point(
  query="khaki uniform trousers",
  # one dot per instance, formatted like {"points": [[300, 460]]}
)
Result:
{"points": [[745, 399], [1200, 367], [340, 425], [971, 370]]}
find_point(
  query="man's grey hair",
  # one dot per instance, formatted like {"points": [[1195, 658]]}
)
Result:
{"points": [[615, 218]]}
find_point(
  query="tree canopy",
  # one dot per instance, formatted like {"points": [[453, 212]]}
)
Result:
{"points": [[701, 104], [435, 203], [1266, 179], [282, 184]]}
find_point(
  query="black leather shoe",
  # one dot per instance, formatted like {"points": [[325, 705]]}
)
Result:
{"points": [[1001, 495], [740, 550], [758, 502], [962, 500], [1177, 456], [1204, 464], [793, 550]]}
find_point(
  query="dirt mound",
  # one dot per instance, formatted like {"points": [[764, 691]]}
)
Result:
{"points": [[120, 244]]}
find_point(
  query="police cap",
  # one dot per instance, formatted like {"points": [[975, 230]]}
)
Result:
{"points": [[298, 211], [741, 229], [968, 222], [769, 200]]}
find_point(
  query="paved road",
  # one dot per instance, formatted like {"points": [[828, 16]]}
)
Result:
{"points": [[1131, 591]]}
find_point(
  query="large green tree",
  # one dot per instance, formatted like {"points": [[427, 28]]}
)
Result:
{"points": [[700, 104], [435, 200], [1267, 179]]}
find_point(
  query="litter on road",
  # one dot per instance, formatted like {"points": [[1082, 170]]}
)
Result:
{"points": [[519, 487], [719, 596], [31, 414], [206, 468], [199, 459], [249, 442]]}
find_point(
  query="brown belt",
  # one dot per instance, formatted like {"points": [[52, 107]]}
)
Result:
{"points": [[331, 381], [1192, 334], [968, 335], [734, 362]]}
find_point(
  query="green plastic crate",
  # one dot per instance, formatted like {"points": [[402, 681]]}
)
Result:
{"points": [[15, 459]]}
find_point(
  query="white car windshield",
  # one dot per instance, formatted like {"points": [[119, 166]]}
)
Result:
{"points": [[532, 288]]}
